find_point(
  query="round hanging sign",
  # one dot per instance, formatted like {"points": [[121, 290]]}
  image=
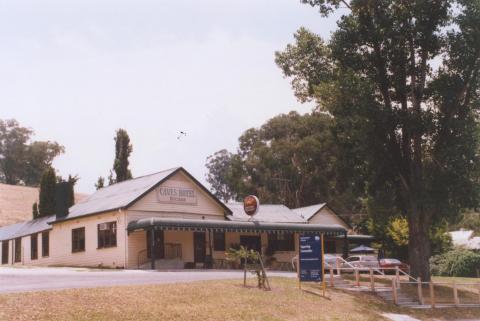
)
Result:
{"points": [[251, 205]]}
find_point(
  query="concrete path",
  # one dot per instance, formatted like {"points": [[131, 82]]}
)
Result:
{"points": [[404, 317], [40, 279]]}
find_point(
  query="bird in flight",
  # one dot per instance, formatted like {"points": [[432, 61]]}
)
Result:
{"points": [[181, 134]]}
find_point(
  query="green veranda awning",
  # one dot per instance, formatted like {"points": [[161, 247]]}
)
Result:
{"points": [[231, 226]]}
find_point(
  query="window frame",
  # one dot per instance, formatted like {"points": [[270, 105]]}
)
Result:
{"points": [[219, 241], [17, 253], [107, 238], [5, 254], [34, 247], [77, 240], [46, 245]]}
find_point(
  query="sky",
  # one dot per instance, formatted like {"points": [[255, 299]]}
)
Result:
{"points": [[75, 71]]}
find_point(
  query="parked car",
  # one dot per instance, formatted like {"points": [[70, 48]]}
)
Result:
{"points": [[392, 263], [330, 260], [363, 262]]}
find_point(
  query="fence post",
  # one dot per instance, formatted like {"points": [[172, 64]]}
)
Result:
{"points": [[372, 280], [432, 294], [420, 294], [338, 266], [394, 291], [397, 276], [331, 277], [478, 292], [357, 277], [455, 294]]}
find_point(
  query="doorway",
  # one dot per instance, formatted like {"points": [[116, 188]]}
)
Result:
{"points": [[251, 242], [199, 248], [159, 247]]}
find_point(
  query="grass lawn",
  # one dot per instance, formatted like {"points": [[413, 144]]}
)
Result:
{"points": [[208, 300]]}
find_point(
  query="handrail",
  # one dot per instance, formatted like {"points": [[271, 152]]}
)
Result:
{"points": [[406, 274], [173, 250], [339, 258], [138, 257]]}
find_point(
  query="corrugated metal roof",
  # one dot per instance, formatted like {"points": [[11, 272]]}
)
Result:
{"points": [[7, 231], [203, 225], [266, 213], [25, 228], [308, 211], [118, 195]]}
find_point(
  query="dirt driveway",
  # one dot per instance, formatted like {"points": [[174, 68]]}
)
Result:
{"points": [[39, 279]]}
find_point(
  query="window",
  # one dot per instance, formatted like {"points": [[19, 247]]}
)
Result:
{"points": [[34, 246], [5, 252], [18, 250], [219, 241], [281, 242], [78, 239], [45, 244], [107, 235], [330, 246], [353, 259]]}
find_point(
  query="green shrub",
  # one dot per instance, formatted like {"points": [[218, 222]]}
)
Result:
{"points": [[457, 262]]}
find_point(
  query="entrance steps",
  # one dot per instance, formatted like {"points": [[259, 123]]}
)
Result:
{"points": [[384, 292], [164, 264], [403, 299]]}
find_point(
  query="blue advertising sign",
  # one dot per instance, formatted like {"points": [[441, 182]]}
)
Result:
{"points": [[310, 258]]}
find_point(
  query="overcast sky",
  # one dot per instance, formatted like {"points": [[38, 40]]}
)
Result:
{"points": [[75, 71]]}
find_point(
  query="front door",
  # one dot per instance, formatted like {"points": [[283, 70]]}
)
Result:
{"points": [[251, 242], [199, 247], [159, 244]]}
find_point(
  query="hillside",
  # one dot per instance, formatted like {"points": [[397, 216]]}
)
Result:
{"points": [[16, 203]]}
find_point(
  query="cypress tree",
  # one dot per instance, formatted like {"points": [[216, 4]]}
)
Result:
{"points": [[123, 149], [100, 183], [35, 210], [72, 180], [47, 193]]}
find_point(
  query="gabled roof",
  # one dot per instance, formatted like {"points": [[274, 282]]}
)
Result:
{"points": [[267, 213], [25, 228], [308, 211], [124, 194]]}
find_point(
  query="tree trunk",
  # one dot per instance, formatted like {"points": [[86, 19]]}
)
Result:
{"points": [[419, 243]]}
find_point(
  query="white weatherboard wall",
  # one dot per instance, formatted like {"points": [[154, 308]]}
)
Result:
{"points": [[327, 217], [26, 258], [61, 242], [150, 206]]}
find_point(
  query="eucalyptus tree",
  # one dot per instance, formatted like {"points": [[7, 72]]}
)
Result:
{"points": [[401, 81]]}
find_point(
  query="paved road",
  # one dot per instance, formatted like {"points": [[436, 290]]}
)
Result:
{"points": [[39, 279]]}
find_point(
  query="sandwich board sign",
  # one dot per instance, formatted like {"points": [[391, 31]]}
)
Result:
{"points": [[310, 258]]}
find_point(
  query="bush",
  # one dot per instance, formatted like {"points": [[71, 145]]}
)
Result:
{"points": [[457, 262]]}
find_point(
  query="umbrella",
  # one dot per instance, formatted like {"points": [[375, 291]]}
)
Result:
{"points": [[362, 248]]}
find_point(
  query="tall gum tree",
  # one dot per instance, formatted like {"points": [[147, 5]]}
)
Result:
{"points": [[400, 79]]}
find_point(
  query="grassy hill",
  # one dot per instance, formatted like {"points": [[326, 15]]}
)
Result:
{"points": [[16, 203]]}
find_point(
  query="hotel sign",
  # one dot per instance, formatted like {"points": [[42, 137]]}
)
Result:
{"points": [[176, 195]]}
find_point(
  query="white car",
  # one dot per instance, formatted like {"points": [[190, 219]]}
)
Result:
{"points": [[330, 260], [363, 262]]}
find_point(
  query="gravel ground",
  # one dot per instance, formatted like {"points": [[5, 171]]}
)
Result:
{"points": [[40, 279]]}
